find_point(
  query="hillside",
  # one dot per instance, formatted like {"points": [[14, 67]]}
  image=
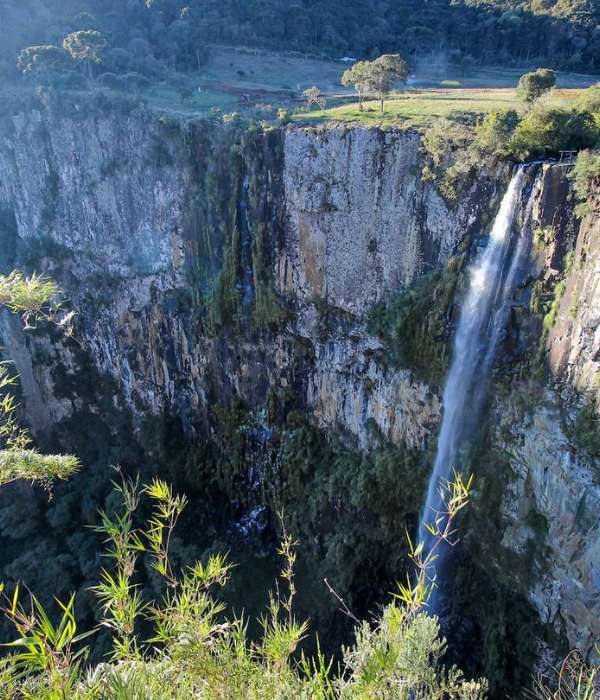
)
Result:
{"points": [[158, 35]]}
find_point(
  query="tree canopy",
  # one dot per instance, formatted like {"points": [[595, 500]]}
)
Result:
{"points": [[85, 46], [378, 76], [42, 58], [535, 84], [143, 36]]}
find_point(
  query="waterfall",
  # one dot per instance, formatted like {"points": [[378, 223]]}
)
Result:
{"points": [[482, 321]]}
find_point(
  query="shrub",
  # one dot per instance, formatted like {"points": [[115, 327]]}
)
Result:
{"points": [[232, 118], [35, 300], [545, 131], [585, 175], [533, 85], [69, 81], [137, 81], [585, 429], [589, 101], [284, 116], [413, 322], [453, 158], [198, 652], [496, 130], [112, 81]]}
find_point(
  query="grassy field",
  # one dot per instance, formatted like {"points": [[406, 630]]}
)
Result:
{"points": [[267, 76], [265, 70], [165, 97], [248, 80], [419, 108]]}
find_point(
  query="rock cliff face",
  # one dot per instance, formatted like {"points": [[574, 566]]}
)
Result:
{"points": [[222, 276], [137, 222], [555, 469]]}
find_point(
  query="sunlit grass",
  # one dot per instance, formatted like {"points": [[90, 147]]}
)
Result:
{"points": [[420, 108]]}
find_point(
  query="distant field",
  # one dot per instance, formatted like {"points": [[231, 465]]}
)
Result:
{"points": [[272, 77], [420, 108], [254, 69], [240, 79], [165, 97]]}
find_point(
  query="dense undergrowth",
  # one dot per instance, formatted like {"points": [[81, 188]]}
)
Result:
{"points": [[195, 650], [456, 151], [415, 322], [184, 645]]}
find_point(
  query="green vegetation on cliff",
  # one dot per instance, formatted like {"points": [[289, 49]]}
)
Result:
{"points": [[415, 322], [34, 299], [586, 178]]}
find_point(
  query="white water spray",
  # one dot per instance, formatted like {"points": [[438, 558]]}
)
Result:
{"points": [[482, 321]]}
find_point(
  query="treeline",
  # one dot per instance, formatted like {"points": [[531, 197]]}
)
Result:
{"points": [[147, 36]]}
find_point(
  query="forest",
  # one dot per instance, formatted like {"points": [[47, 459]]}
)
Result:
{"points": [[145, 35]]}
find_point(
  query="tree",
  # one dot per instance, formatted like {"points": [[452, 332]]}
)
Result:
{"points": [[388, 70], [546, 131], [378, 76], [535, 84], [359, 77], [42, 59], [314, 96], [86, 47], [496, 130]]}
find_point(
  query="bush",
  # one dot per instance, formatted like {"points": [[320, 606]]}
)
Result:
{"points": [[545, 131], [232, 118], [69, 81], [496, 130], [590, 99], [453, 158], [284, 116], [585, 175], [585, 430], [413, 323], [112, 81], [533, 85], [137, 82], [199, 650]]}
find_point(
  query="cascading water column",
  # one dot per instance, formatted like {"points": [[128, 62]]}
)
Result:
{"points": [[482, 320]]}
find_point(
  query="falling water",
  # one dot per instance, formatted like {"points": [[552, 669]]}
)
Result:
{"points": [[482, 321]]}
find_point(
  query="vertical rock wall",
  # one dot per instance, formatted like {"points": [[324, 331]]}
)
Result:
{"points": [[209, 266]]}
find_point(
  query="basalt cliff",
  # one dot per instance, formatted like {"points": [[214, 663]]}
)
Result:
{"points": [[264, 318]]}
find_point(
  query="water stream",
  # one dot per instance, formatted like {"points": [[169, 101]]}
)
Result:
{"points": [[483, 318]]}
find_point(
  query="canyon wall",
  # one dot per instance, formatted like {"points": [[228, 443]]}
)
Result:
{"points": [[238, 291]]}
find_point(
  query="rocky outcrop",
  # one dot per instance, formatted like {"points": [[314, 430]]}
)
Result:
{"points": [[361, 221], [574, 342], [552, 493], [552, 502]]}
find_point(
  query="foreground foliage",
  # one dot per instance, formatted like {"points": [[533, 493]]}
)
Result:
{"points": [[34, 300], [198, 651]]}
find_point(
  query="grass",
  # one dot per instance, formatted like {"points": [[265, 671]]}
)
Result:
{"points": [[269, 70], [238, 78], [164, 97], [420, 108]]}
